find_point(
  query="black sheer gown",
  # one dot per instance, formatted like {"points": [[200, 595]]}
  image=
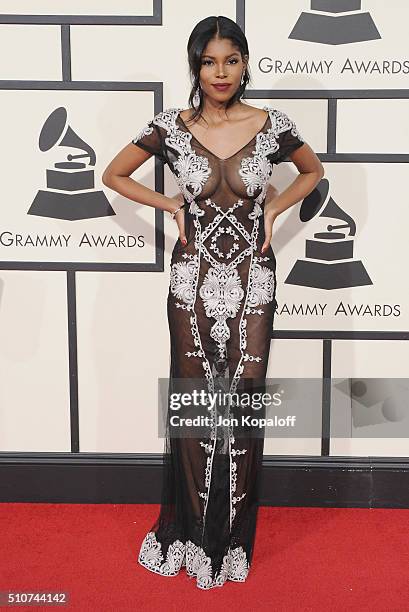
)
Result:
{"points": [[221, 305]]}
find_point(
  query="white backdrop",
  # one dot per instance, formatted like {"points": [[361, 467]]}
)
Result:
{"points": [[83, 328]]}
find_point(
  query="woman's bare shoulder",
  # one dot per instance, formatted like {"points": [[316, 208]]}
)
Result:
{"points": [[255, 112]]}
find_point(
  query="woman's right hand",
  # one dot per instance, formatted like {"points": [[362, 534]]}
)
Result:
{"points": [[180, 219]]}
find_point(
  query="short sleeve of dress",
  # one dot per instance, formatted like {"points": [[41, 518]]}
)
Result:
{"points": [[151, 139], [288, 137]]}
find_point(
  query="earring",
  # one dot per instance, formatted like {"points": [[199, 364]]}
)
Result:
{"points": [[242, 79], [196, 97]]}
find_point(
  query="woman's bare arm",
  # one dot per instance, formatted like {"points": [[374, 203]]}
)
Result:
{"points": [[116, 176], [311, 172]]}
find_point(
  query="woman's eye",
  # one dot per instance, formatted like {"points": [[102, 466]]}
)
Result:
{"points": [[206, 62]]}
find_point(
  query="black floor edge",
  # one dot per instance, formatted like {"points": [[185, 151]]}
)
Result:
{"points": [[360, 482]]}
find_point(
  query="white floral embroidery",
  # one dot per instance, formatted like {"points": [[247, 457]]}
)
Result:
{"points": [[182, 280], [207, 447], [225, 230], [262, 289], [190, 170], [151, 557], [238, 451], [280, 122], [235, 565], [194, 209], [257, 211], [255, 172], [145, 131], [221, 293]]}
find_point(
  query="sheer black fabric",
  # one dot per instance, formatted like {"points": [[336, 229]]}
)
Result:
{"points": [[221, 304]]}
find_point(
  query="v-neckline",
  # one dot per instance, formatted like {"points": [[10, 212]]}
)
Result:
{"points": [[223, 159]]}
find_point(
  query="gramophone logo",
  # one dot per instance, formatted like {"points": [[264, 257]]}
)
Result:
{"points": [[328, 262], [70, 192], [335, 22]]}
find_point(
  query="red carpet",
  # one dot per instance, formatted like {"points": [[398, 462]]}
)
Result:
{"points": [[305, 559]]}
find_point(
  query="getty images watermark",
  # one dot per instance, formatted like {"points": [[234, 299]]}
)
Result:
{"points": [[193, 407], [284, 408], [213, 401]]}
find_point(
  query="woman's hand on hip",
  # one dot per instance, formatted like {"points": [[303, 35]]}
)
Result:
{"points": [[269, 218], [180, 219]]}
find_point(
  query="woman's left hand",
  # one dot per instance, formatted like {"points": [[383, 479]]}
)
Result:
{"points": [[269, 218]]}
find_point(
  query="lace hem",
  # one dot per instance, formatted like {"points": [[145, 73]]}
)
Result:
{"points": [[235, 566]]}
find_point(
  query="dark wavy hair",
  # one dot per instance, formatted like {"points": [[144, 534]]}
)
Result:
{"points": [[202, 33]]}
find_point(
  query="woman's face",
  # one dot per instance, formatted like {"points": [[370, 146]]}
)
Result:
{"points": [[222, 64]]}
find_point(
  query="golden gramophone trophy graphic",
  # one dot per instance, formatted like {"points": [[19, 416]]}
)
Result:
{"points": [[328, 262], [335, 22], [70, 192]]}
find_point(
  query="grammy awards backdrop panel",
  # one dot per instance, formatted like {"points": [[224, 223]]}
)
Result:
{"points": [[34, 361], [85, 272], [341, 254], [344, 270], [70, 218], [294, 360], [96, 10], [372, 408]]}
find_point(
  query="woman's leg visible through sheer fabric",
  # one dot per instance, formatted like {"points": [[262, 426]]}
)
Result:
{"points": [[211, 485]]}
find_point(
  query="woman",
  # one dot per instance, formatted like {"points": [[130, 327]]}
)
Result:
{"points": [[221, 298]]}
